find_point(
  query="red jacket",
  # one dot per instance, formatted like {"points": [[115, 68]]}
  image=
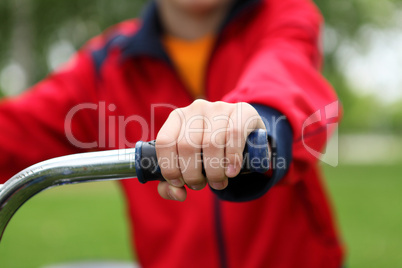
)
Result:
{"points": [[267, 53]]}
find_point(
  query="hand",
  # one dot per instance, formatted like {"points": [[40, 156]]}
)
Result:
{"points": [[217, 129]]}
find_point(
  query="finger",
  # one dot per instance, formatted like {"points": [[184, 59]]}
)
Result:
{"points": [[170, 192], [166, 149], [243, 119], [189, 152], [214, 142]]}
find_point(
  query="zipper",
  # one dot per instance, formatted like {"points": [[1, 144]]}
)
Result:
{"points": [[217, 209], [219, 232]]}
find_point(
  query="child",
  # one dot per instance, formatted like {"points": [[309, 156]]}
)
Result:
{"points": [[205, 73]]}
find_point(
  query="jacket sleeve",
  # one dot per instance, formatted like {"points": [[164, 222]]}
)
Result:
{"points": [[283, 75], [32, 125]]}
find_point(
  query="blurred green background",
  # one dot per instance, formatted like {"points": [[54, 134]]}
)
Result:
{"points": [[362, 43]]}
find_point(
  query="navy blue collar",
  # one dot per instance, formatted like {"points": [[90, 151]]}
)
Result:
{"points": [[147, 41]]}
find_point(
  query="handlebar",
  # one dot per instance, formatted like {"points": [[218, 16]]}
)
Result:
{"points": [[140, 162]]}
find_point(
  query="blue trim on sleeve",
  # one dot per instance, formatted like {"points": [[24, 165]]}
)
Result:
{"points": [[248, 187]]}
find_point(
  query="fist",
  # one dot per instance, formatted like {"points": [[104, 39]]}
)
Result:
{"points": [[209, 135]]}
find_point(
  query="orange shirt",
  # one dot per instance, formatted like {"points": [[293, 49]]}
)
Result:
{"points": [[190, 59]]}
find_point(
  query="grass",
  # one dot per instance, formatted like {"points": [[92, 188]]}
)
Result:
{"points": [[368, 200], [87, 221], [69, 223]]}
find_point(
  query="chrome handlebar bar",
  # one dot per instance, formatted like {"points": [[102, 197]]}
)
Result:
{"points": [[140, 162], [71, 169]]}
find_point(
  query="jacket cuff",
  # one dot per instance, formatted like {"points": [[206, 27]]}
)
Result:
{"points": [[251, 186]]}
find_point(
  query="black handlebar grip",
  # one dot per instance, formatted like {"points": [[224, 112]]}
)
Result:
{"points": [[255, 157]]}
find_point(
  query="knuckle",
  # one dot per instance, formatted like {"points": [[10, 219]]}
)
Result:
{"points": [[200, 102], [195, 180], [251, 109], [215, 176], [162, 140], [219, 105], [185, 146], [178, 112], [245, 105], [171, 173]]}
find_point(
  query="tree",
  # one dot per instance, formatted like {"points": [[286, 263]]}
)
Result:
{"points": [[31, 29]]}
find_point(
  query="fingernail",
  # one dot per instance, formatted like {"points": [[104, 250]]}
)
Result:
{"points": [[217, 185], [170, 194], [231, 171], [197, 187], [176, 183]]}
